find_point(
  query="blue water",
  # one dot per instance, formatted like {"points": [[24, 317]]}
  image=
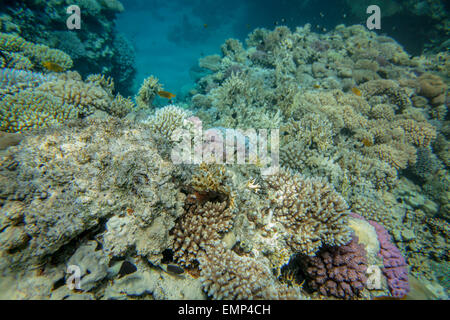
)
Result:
{"points": [[170, 36]]}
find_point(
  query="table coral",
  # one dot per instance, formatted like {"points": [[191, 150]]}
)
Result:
{"points": [[37, 53]]}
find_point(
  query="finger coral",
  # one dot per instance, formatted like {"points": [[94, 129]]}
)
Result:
{"points": [[226, 275], [200, 226], [310, 210]]}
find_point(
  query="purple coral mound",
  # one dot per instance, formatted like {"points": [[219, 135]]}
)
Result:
{"points": [[395, 267], [337, 271]]}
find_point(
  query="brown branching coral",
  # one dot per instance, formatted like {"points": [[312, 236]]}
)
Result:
{"points": [[396, 155], [388, 90], [200, 226], [208, 214], [226, 275], [419, 133], [310, 210]]}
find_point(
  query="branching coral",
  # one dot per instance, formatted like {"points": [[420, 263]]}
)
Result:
{"points": [[199, 227], [419, 133], [53, 99], [312, 213], [31, 109], [148, 91], [168, 119], [337, 271], [36, 53], [79, 94], [226, 275]]}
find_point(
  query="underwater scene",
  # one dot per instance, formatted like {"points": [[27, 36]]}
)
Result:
{"points": [[224, 150]]}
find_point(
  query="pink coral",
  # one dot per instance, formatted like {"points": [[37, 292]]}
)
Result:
{"points": [[337, 271]]}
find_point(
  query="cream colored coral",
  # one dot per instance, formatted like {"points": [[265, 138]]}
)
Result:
{"points": [[82, 95], [419, 133], [147, 92], [37, 53], [31, 109], [311, 211]]}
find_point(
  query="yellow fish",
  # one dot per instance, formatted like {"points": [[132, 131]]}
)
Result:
{"points": [[367, 142], [52, 66], [356, 91], [166, 94]]}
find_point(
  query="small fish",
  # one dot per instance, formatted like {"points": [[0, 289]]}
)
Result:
{"points": [[316, 86], [205, 25], [356, 91], [52, 66], [174, 269], [367, 142], [166, 94]]}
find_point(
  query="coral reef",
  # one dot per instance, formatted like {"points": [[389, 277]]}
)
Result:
{"points": [[23, 54], [226, 275], [312, 213], [337, 271], [31, 100], [98, 49], [394, 265], [87, 177], [69, 181]]}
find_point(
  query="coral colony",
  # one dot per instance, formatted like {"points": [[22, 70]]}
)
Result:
{"points": [[301, 165]]}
